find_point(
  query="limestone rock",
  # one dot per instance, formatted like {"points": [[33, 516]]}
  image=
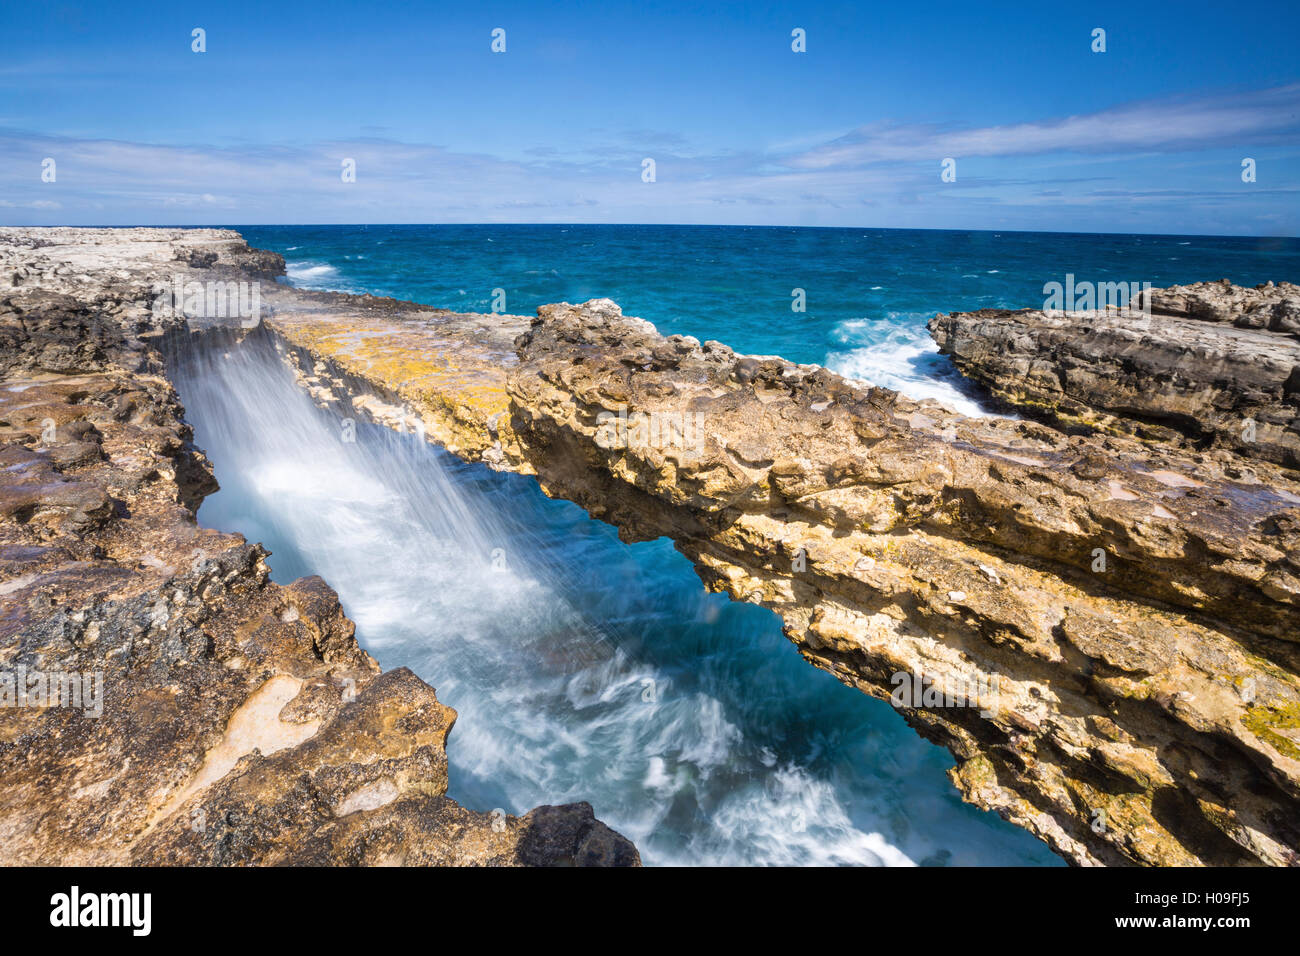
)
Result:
{"points": [[1212, 366]]}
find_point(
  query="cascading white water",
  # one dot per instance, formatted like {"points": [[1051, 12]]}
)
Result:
{"points": [[582, 668]]}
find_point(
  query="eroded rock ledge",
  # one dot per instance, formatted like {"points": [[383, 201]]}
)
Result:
{"points": [[239, 722], [1211, 365], [1134, 605], [1136, 608]]}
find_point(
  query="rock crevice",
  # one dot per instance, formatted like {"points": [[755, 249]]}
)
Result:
{"points": [[164, 701], [1099, 621]]}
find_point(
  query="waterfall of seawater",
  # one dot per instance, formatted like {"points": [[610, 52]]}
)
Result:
{"points": [[582, 668]]}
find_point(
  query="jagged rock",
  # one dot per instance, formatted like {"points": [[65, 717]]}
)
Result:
{"points": [[1212, 365], [896, 537], [1118, 691], [1271, 306], [223, 718]]}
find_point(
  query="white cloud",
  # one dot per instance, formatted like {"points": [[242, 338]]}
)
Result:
{"points": [[33, 204], [1154, 126], [885, 175]]}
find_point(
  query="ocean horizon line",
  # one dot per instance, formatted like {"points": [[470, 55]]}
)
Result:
{"points": [[648, 225]]}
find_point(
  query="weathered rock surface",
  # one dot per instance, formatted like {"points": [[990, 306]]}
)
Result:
{"points": [[1212, 365], [893, 536], [1145, 711], [1134, 607], [236, 721]]}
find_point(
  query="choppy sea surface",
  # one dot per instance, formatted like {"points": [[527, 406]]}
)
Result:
{"points": [[868, 292], [586, 669]]}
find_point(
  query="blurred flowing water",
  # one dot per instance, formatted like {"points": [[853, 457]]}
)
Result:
{"points": [[582, 668]]}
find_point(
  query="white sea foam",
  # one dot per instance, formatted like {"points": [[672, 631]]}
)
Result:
{"points": [[897, 352], [312, 275]]}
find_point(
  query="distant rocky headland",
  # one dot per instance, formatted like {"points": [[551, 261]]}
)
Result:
{"points": [[1095, 607], [1205, 365]]}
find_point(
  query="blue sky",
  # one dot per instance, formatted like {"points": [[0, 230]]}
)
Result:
{"points": [[1148, 136]]}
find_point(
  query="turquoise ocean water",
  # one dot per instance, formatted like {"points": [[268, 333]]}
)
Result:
{"points": [[868, 292]]}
